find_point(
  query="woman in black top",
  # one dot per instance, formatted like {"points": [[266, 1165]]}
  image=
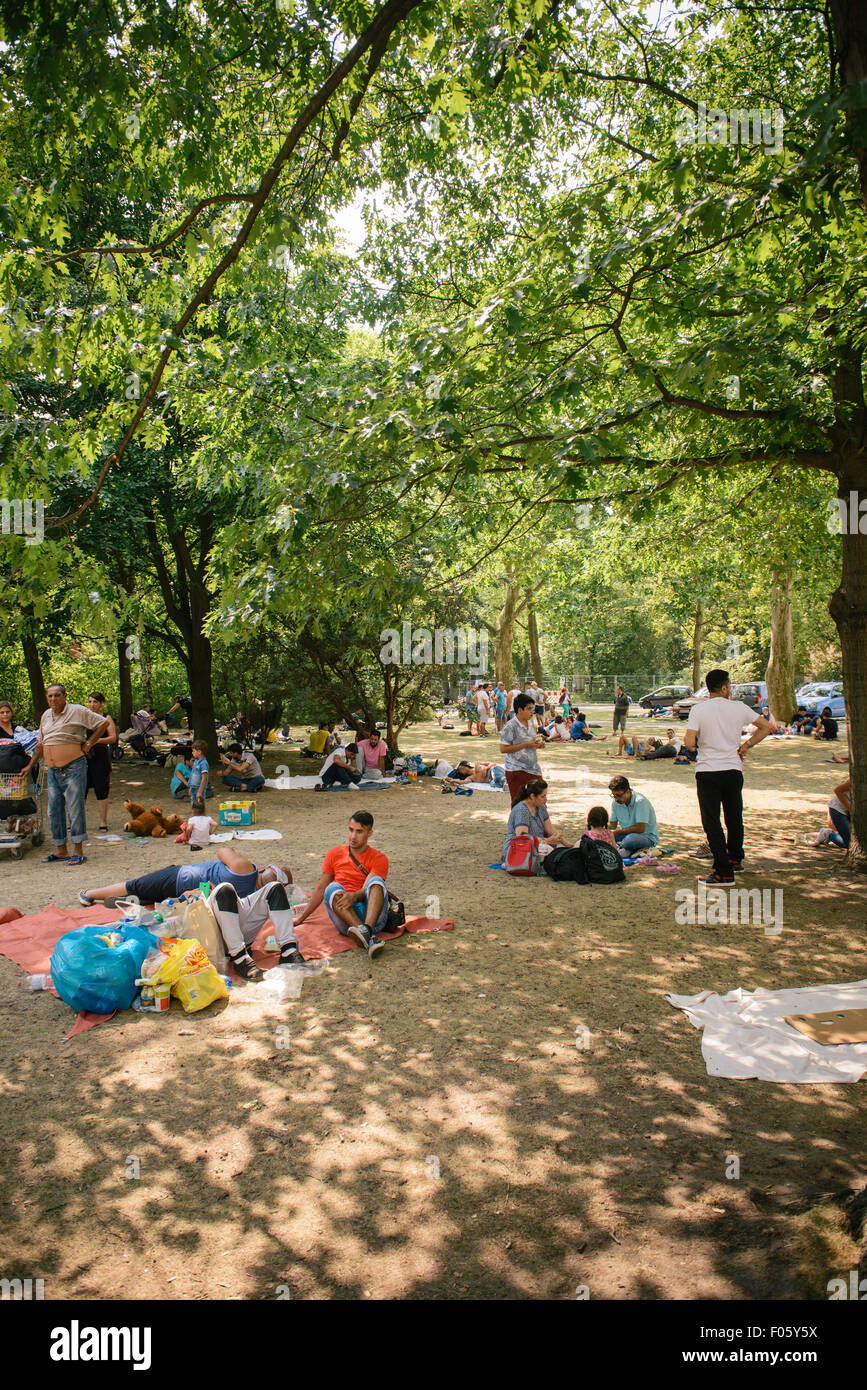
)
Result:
{"points": [[99, 760], [7, 720]]}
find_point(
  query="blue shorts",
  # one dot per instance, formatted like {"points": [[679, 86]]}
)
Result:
{"points": [[359, 908]]}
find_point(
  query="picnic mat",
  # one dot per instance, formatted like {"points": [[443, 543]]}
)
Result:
{"points": [[746, 1034], [29, 941], [307, 782]]}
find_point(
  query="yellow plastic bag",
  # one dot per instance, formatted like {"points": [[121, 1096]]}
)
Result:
{"points": [[199, 990], [189, 972]]}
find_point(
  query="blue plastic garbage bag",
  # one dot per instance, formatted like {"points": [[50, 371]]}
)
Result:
{"points": [[89, 974]]}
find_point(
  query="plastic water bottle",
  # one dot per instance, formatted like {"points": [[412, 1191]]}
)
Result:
{"points": [[40, 982]]}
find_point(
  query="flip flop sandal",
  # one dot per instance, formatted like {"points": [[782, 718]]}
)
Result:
{"points": [[103, 830], [56, 859], [77, 859]]}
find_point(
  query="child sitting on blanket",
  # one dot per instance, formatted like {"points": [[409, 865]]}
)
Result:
{"points": [[196, 832], [597, 826]]}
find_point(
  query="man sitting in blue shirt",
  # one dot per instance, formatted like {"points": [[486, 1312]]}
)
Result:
{"points": [[633, 817], [579, 728]]}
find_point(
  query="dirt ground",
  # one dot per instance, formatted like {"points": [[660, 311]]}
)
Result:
{"points": [[426, 1126]]}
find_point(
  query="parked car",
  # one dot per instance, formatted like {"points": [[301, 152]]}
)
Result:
{"points": [[683, 707], [820, 695], [663, 697], [752, 693]]}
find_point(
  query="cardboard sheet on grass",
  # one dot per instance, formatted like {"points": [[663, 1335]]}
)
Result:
{"points": [[748, 1033], [29, 941]]}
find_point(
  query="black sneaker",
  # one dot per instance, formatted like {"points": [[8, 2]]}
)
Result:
{"points": [[375, 946], [715, 878], [736, 866], [360, 934], [290, 955], [247, 967]]}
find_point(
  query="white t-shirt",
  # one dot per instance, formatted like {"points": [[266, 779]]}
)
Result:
{"points": [[483, 704], [329, 761], [719, 724], [200, 831]]}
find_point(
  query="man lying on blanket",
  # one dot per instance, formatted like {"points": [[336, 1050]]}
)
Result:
{"points": [[244, 898], [353, 888]]}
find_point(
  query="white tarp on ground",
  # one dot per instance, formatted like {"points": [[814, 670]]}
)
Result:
{"points": [[284, 783], [745, 1034]]}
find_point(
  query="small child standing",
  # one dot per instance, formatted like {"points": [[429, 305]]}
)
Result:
{"points": [[196, 831], [597, 826], [200, 772]]}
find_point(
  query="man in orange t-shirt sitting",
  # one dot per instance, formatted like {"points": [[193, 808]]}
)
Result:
{"points": [[354, 892]]}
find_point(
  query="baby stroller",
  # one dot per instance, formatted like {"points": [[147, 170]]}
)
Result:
{"points": [[21, 810], [142, 740]]}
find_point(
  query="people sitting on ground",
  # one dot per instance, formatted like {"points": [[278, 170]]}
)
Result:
{"points": [[175, 879], [317, 742], [840, 816], [826, 727], [597, 826], [629, 746], [580, 730], [353, 887], [634, 819], [339, 768], [151, 724], [519, 741], [197, 829], [686, 755], [241, 771], [801, 718], [241, 918], [180, 783], [558, 730], [669, 749], [529, 816], [370, 758]]}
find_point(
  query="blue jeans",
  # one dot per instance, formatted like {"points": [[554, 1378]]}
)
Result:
{"points": [[631, 842], [244, 784], [842, 826], [67, 788], [359, 908], [497, 776]]}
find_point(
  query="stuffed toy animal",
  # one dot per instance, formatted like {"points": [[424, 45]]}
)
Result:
{"points": [[144, 822], [170, 824]]}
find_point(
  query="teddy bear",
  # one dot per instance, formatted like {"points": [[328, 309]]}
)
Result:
{"points": [[151, 822]]}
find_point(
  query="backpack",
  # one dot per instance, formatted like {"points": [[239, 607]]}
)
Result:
{"points": [[13, 757], [603, 864], [522, 856], [565, 866]]}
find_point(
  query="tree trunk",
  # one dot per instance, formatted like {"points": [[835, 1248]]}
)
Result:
{"points": [[504, 633], [34, 665], [848, 608], [780, 674], [199, 674], [849, 22], [697, 633], [533, 639], [124, 674], [146, 672]]}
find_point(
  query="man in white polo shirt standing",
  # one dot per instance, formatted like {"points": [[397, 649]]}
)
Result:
{"points": [[716, 726]]}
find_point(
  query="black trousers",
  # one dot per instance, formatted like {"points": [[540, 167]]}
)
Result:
{"points": [[722, 791]]}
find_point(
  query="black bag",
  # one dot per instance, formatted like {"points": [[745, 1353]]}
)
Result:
{"points": [[25, 807], [565, 866], [13, 756], [396, 910], [603, 864]]}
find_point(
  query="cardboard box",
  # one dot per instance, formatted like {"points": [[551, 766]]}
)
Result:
{"points": [[237, 813]]}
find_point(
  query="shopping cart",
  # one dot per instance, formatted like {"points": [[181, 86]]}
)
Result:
{"points": [[21, 800]]}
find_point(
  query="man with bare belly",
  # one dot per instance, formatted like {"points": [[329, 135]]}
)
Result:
{"points": [[66, 735]]}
